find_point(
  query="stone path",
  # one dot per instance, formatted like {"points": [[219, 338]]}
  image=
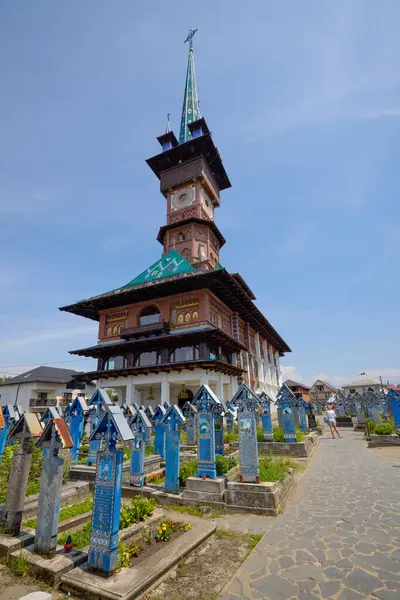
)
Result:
{"points": [[339, 536]]}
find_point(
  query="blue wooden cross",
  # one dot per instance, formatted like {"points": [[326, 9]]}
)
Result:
{"points": [[394, 403], [75, 417], [230, 417], [149, 413], [172, 421], [301, 408], [103, 550], [247, 405], [190, 413], [266, 419], [285, 402], [54, 437], [7, 420], [208, 405], [26, 430], [97, 405], [141, 429], [219, 434], [51, 412], [159, 428]]}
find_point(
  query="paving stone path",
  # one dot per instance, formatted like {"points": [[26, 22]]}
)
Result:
{"points": [[339, 536]]}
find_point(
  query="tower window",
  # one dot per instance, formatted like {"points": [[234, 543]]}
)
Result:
{"points": [[149, 315], [186, 254], [181, 237]]}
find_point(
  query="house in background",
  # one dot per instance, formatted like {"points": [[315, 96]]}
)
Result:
{"points": [[321, 391], [298, 389], [363, 384], [42, 387]]}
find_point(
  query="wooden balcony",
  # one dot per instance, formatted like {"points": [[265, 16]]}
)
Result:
{"points": [[160, 328]]}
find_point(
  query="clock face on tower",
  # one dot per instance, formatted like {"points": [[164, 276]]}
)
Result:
{"points": [[182, 198], [206, 204]]}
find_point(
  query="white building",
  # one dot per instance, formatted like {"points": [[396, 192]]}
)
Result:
{"points": [[39, 388], [363, 383]]}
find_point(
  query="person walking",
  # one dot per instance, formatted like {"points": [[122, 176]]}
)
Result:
{"points": [[331, 416]]}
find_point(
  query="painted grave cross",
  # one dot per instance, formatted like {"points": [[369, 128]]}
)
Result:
{"points": [[51, 412], [8, 418], [230, 418], [75, 417], [301, 408], [285, 402], [98, 403], [394, 403], [266, 419], [149, 412], [359, 402], [247, 405], [190, 413], [219, 430], [103, 551], [159, 428], [27, 428], [173, 420], [208, 405], [55, 436], [311, 420], [141, 430]]}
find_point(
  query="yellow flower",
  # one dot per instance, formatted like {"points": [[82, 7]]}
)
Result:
{"points": [[159, 530], [164, 527]]}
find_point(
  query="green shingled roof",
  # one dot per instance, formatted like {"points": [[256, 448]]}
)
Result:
{"points": [[169, 265]]}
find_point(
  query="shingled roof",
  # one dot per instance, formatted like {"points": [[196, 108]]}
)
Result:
{"points": [[45, 375]]}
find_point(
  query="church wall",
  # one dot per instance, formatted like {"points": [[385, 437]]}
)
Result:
{"points": [[181, 311]]}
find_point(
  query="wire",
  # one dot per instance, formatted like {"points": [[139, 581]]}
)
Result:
{"points": [[42, 364]]}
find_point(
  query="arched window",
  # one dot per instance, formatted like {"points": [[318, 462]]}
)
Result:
{"points": [[149, 315], [186, 254], [181, 237]]}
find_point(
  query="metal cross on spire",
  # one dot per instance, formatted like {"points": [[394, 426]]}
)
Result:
{"points": [[190, 109], [192, 33]]}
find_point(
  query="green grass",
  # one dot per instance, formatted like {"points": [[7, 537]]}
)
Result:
{"points": [[189, 469], [80, 539], [205, 512], [385, 428], [230, 438], [274, 468], [68, 511], [149, 450], [252, 540], [139, 509]]}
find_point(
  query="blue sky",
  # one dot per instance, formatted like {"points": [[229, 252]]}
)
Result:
{"points": [[303, 101]]}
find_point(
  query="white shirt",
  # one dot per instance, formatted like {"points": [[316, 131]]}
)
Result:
{"points": [[331, 415]]}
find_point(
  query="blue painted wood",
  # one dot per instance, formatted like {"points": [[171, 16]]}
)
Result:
{"points": [[208, 405], [4, 432], [394, 403], [285, 401], [301, 408], [247, 404], [97, 404], [230, 421], [266, 419], [141, 427], [173, 421], [103, 550], [159, 428], [219, 434], [190, 413]]}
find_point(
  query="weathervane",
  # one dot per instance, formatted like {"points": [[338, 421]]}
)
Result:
{"points": [[190, 37]]}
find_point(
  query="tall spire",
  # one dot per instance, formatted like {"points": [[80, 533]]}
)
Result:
{"points": [[190, 109]]}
